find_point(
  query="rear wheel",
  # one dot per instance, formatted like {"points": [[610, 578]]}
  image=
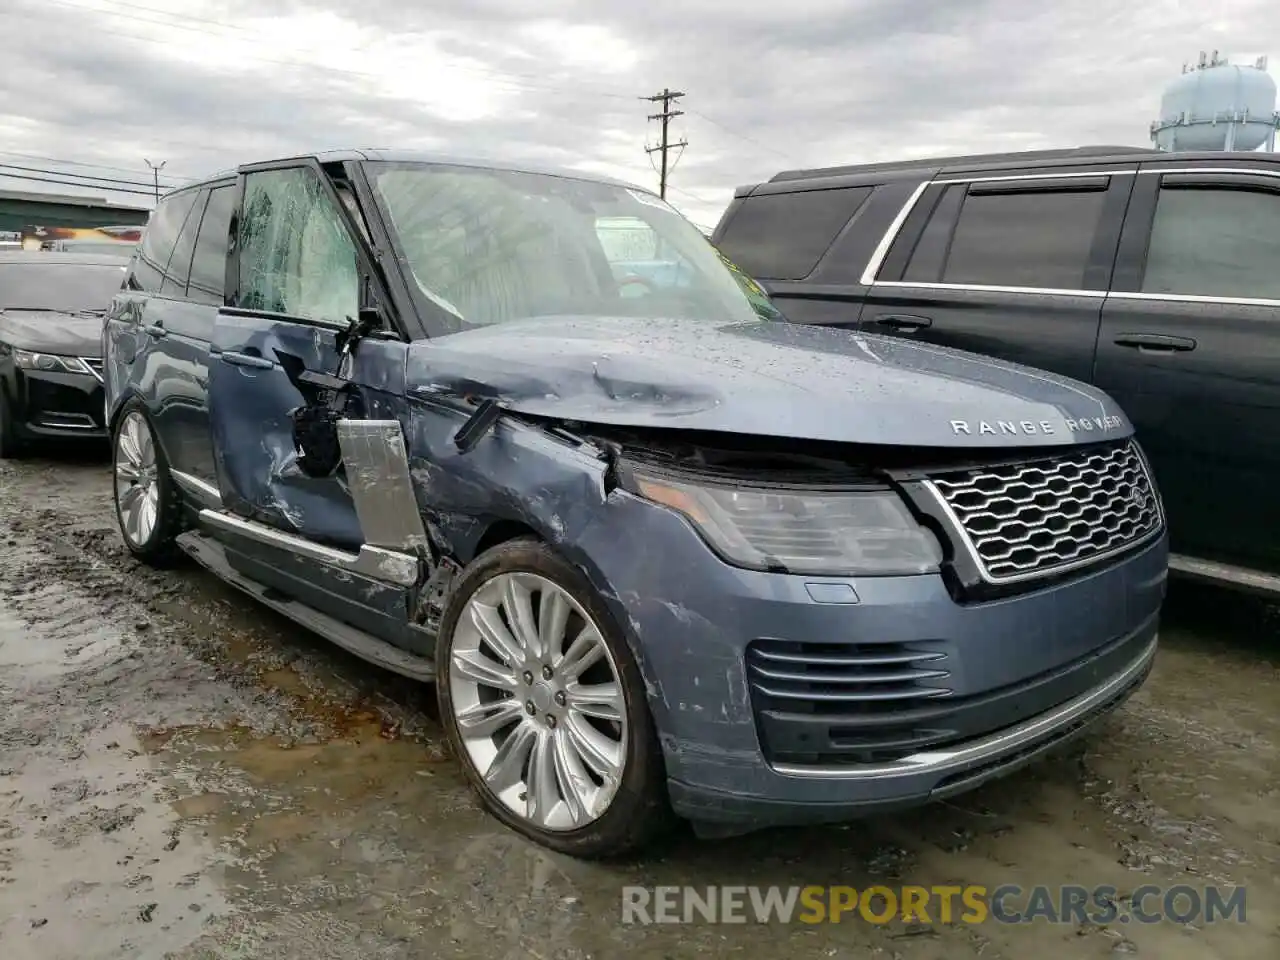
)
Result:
{"points": [[147, 506], [545, 706]]}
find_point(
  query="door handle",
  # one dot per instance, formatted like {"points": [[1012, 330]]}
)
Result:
{"points": [[903, 321], [155, 330], [1155, 343], [247, 360]]}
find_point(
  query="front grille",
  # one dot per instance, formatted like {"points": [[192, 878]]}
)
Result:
{"points": [[95, 366], [1036, 518]]}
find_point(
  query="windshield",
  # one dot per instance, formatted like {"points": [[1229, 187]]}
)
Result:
{"points": [[491, 246], [68, 287]]}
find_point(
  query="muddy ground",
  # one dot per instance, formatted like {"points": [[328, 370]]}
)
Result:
{"points": [[183, 774]]}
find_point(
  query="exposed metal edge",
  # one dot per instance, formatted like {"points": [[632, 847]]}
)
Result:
{"points": [[895, 227], [976, 752], [377, 465], [197, 487], [1256, 580], [380, 564]]}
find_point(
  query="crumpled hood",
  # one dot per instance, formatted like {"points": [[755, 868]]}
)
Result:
{"points": [[763, 378], [68, 334]]}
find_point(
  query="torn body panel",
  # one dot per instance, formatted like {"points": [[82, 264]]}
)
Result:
{"points": [[253, 404]]}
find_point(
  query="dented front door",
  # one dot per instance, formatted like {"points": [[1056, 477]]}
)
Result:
{"points": [[297, 289]]}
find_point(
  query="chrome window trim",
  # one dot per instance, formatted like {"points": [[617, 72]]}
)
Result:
{"points": [[1073, 175], [868, 278], [891, 234], [987, 288]]}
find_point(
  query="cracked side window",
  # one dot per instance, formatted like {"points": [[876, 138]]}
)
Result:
{"points": [[296, 256]]}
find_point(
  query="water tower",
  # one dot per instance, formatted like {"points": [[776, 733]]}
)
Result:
{"points": [[1216, 105]]}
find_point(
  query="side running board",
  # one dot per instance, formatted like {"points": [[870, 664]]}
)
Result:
{"points": [[1254, 581], [211, 555]]}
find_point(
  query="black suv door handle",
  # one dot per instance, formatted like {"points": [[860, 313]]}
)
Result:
{"points": [[903, 321], [1155, 342], [247, 360]]}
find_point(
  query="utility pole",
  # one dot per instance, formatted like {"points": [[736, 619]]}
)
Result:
{"points": [[155, 175], [667, 98]]}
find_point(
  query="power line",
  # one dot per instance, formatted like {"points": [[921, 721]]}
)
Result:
{"points": [[71, 183], [667, 97], [79, 163], [78, 176], [743, 136]]}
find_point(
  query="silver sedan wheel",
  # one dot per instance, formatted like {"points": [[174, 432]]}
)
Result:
{"points": [[136, 480], [538, 702]]}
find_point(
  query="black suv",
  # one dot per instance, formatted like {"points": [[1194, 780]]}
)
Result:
{"points": [[1151, 275]]}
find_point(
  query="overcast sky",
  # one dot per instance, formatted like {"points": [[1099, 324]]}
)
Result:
{"points": [[205, 84]]}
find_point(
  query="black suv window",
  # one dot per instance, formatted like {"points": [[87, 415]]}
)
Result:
{"points": [[159, 239], [1024, 239], [781, 236], [1211, 242], [296, 256], [209, 264]]}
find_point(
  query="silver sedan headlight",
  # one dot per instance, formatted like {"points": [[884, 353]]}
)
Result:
{"points": [[29, 360]]}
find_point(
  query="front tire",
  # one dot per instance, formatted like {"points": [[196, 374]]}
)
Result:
{"points": [[10, 447], [545, 706], [147, 505]]}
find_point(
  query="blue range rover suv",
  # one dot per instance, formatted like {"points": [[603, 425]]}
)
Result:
{"points": [[657, 551]]}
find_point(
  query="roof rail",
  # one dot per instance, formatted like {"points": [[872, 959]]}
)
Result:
{"points": [[1100, 150]]}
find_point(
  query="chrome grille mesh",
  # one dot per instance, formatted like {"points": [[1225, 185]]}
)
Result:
{"points": [[1031, 519]]}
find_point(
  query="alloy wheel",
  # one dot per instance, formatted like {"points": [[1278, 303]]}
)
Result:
{"points": [[538, 701], [137, 484]]}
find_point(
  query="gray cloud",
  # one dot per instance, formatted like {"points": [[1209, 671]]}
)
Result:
{"points": [[769, 85]]}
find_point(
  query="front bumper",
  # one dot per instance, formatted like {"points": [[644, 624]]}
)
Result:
{"points": [[875, 693], [57, 405]]}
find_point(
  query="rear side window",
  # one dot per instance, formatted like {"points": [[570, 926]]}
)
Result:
{"points": [[159, 240], [209, 263], [179, 268], [782, 236], [1024, 239], [1215, 243]]}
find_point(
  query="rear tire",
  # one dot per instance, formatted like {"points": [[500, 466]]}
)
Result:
{"points": [[148, 507], [545, 706]]}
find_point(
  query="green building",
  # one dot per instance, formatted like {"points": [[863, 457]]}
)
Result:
{"points": [[21, 210]]}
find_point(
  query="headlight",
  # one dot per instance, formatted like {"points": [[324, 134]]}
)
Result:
{"points": [[837, 533], [49, 361]]}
